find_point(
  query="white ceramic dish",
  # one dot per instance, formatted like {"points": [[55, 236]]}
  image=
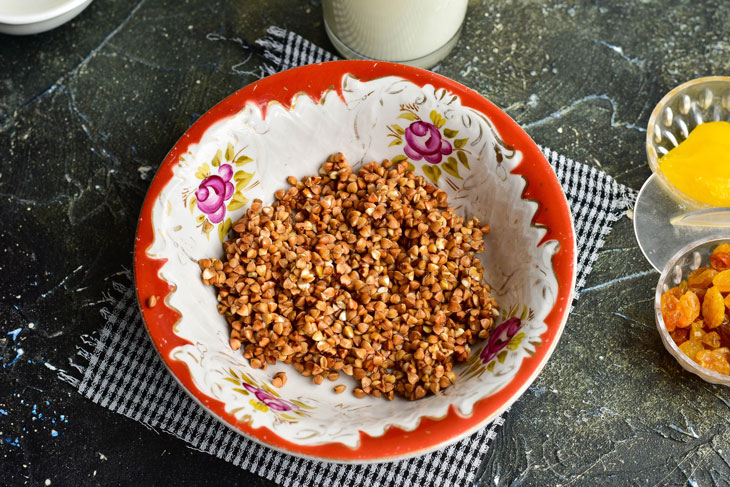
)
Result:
{"points": [[288, 124], [23, 17]]}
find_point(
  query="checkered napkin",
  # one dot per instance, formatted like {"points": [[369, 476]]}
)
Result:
{"points": [[121, 371]]}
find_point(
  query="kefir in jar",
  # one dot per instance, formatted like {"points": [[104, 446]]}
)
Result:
{"points": [[416, 32]]}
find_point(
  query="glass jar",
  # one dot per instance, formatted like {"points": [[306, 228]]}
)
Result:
{"points": [[416, 32]]}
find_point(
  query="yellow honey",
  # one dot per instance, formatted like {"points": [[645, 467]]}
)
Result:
{"points": [[700, 165]]}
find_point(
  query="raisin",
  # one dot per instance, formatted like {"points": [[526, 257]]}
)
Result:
{"points": [[714, 360], [724, 331], [712, 340], [700, 292], [670, 310], [720, 258], [722, 248], [697, 313], [696, 331], [721, 261], [676, 291], [723, 352], [722, 281], [713, 308], [691, 348], [701, 278], [689, 305], [680, 335]]}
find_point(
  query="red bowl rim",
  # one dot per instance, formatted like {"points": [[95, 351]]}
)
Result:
{"points": [[316, 80]]}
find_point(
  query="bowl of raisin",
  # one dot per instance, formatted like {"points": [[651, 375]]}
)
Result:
{"points": [[691, 306]]}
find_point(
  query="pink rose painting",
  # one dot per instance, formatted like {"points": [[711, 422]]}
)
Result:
{"points": [[269, 399], [265, 399], [423, 140], [500, 338], [429, 141], [214, 191], [220, 190]]}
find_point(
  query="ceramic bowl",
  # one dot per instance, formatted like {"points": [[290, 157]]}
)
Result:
{"points": [[34, 16], [686, 260], [288, 124], [677, 114]]}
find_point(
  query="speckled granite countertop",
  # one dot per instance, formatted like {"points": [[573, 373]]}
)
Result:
{"points": [[88, 111]]}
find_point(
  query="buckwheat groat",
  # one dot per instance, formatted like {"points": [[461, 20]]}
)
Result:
{"points": [[370, 274]]}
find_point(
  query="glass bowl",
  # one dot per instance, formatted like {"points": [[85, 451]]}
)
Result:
{"points": [[665, 218], [677, 269], [677, 114]]}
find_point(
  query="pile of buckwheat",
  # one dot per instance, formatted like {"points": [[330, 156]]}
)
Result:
{"points": [[370, 274]]}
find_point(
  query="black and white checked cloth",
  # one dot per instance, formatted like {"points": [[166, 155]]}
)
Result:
{"points": [[284, 49], [122, 371]]}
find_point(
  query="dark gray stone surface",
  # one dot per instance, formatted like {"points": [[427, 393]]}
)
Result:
{"points": [[87, 111]]}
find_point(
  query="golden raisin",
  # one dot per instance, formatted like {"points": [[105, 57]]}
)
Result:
{"points": [[691, 348], [712, 340], [724, 331], [722, 281], [696, 331], [713, 308], [701, 278], [676, 291], [680, 335], [723, 353], [689, 305], [720, 258], [703, 301], [700, 292], [714, 360], [670, 310]]}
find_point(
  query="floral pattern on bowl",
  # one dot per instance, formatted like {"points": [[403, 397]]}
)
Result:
{"points": [[458, 148], [429, 141], [220, 193]]}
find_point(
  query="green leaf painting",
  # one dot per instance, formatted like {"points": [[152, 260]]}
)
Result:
{"points": [[463, 159], [217, 159], [432, 172], [451, 167]]}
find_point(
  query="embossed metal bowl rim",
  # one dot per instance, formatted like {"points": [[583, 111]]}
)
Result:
{"points": [[686, 363], [651, 152], [316, 80], [41, 15]]}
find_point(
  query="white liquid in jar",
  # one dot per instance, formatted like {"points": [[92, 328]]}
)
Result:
{"points": [[28, 7], [418, 32]]}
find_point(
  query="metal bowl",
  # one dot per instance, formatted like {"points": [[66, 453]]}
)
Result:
{"points": [[677, 114], [677, 269]]}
